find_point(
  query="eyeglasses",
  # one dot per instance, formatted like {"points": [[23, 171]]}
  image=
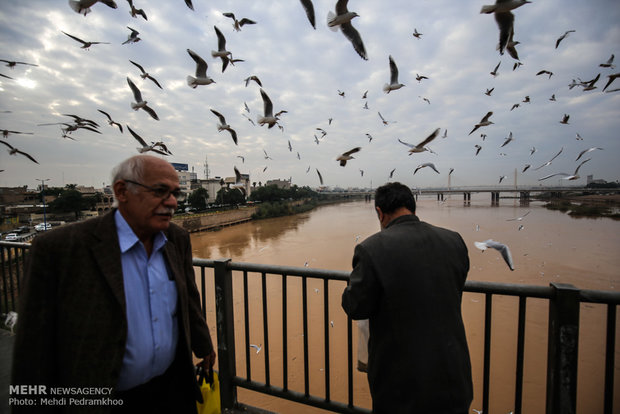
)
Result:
{"points": [[162, 192]]}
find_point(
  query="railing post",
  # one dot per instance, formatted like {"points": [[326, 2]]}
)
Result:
{"points": [[562, 353], [225, 332]]}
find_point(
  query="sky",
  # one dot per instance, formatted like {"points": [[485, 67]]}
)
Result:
{"points": [[302, 70]]}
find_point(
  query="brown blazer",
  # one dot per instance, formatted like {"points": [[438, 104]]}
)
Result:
{"points": [[72, 324]]}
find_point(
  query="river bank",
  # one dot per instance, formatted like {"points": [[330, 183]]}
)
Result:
{"points": [[590, 205]]}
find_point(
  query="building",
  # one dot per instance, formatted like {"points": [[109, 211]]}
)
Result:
{"points": [[186, 177], [284, 184], [590, 180]]}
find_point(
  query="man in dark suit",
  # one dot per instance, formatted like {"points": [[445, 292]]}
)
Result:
{"points": [[408, 281], [110, 304]]}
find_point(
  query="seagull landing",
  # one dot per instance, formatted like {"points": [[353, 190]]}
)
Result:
{"points": [[201, 72], [500, 247], [394, 84], [346, 156], [342, 18], [140, 103]]}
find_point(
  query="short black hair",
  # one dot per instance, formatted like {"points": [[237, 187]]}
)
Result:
{"points": [[390, 197]]}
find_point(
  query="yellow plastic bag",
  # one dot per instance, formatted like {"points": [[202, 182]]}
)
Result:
{"points": [[210, 390]]}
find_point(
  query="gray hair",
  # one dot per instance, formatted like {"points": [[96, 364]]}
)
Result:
{"points": [[130, 169]]}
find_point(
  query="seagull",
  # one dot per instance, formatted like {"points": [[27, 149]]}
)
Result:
{"points": [[342, 18], [483, 136], [609, 63], [425, 99], [12, 63], [222, 53], [320, 176], [510, 47], [290, 147], [501, 178], [426, 164], [257, 347], [252, 78], [144, 146], [135, 12], [110, 121], [144, 74], [322, 131], [83, 6], [526, 99], [238, 24], [516, 65], [224, 126], [611, 79], [85, 45], [421, 147], [309, 8], [242, 158], [346, 156], [267, 157], [394, 84], [11, 318], [557, 42], [392, 172], [12, 151], [508, 139], [139, 102], [416, 34], [586, 151], [500, 247], [451, 171], [566, 176], [201, 72], [365, 105], [552, 99], [445, 134], [578, 137], [545, 72], [489, 91], [362, 172], [514, 106], [518, 218], [249, 119], [532, 150], [268, 117], [365, 95], [341, 93], [132, 37], [369, 137], [494, 72], [6, 132], [478, 148], [483, 122], [589, 85], [565, 119], [525, 168], [549, 162], [420, 78]]}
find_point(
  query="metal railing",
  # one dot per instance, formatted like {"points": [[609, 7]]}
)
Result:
{"points": [[236, 288]]}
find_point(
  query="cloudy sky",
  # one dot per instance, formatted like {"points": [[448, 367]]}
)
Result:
{"points": [[302, 70]]}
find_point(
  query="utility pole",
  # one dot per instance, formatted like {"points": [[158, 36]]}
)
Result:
{"points": [[43, 180], [206, 168]]}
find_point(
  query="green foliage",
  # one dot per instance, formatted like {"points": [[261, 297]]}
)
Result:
{"points": [[271, 193], [281, 208], [230, 196], [70, 201], [198, 198]]}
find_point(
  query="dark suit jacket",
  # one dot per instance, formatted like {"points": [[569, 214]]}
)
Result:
{"points": [[72, 324], [408, 280]]}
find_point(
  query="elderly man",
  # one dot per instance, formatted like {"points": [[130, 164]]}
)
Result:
{"points": [[111, 303], [408, 280]]}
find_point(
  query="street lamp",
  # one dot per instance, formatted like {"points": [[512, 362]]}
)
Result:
{"points": [[43, 180]]}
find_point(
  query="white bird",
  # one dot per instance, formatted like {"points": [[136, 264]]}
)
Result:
{"points": [[140, 103], [566, 176], [508, 139], [500, 247], [609, 63], [201, 72], [111, 121], [532, 150], [421, 147], [135, 11], [503, 6], [224, 126], [257, 347], [342, 19], [238, 24], [83, 6], [478, 148], [394, 84], [267, 157], [586, 151], [144, 146], [144, 74], [346, 156], [494, 71], [549, 162], [268, 117], [501, 178], [385, 122], [518, 218], [12, 151], [483, 122], [85, 45], [426, 164], [252, 78], [221, 52], [132, 37], [557, 42]]}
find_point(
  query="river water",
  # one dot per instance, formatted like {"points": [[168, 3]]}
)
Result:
{"points": [[547, 247]]}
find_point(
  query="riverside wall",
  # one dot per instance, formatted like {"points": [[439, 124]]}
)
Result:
{"points": [[214, 220]]}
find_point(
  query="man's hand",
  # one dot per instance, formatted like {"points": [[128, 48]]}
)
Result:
{"points": [[208, 362]]}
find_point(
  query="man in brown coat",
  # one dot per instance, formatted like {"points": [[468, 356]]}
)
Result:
{"points": [[408, 280], [110, 304]]}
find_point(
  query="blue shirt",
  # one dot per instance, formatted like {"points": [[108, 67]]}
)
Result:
{"points": [[151, 300]]}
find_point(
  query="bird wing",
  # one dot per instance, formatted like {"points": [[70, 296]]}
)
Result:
{"points": [[229, 14], [354, 37], [320, 176], [139, 66], [154, 81], [151, 112], [505, 23], [245, 20], [486, 117], [136, 92], [220, 116], [429, 138], [75, 38], [201, 65], [393, 71], [341, 7], [309, 8], [137, 137], [106, 114], [7, 144], [221, 40], [189, 4], [233, 134], [381, 116], [352, 151], [237, 175], [503, 249], [27, 155], [267, 105], [553, 175], [556, 155], [579, 166]]}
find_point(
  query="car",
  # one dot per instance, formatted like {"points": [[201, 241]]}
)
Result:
{"points": [[43, 227], [22, 230], [11, 237]]}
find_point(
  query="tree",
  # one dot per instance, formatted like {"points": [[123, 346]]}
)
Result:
{"points": [[231, 196], [69, 201], [198, 198]]}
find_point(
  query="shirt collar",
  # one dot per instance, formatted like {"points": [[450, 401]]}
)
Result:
{"points": [[127, 238]]}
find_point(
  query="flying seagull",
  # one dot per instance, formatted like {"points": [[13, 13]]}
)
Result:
{"points": [[252, 78], [565, 119], [483, 122], [342, 18], [238, 24], [544, 72], [144, 146], [500, 247], [421, 147], [257, 347], [83, 6], [501, 178], [426, 164], [346, 156], [135, 11], [12, 63], [586, 151], [383, 119], [494, 71], [489, 91], [518, 218], [507, 139], [557, 42], [478, 148], [6, 132], [85, 45], [309, 8], [267, 157], [609, 63], [144, 74], [612, 78], [526, 167], [132, 37], [416, 34], [566, 176], [268, 117], [140, 103], [394, 84], [224, 126], [201, 72], [110, 121], [222, 53], [13, 151], [549, 162]]}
